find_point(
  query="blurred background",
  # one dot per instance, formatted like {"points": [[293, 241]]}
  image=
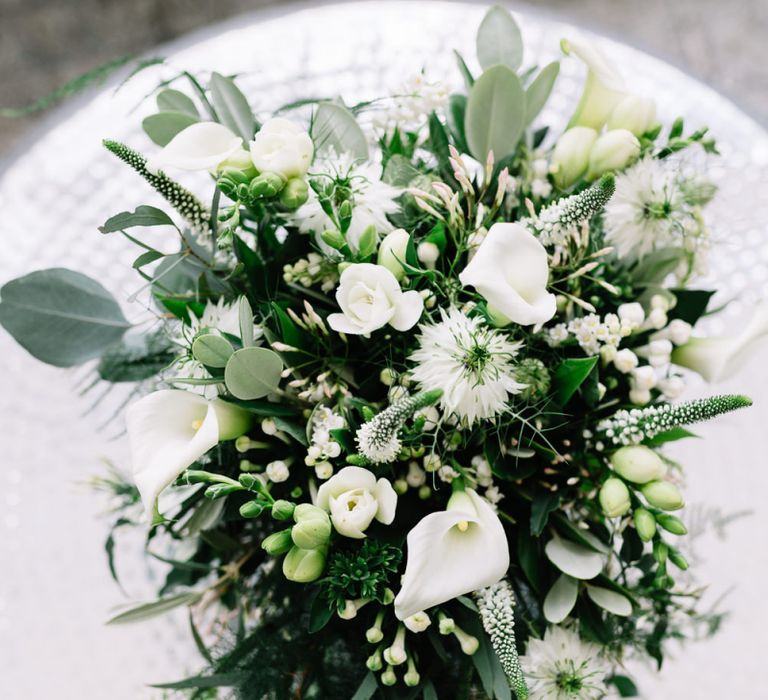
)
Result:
{"points": [[44, 43]]}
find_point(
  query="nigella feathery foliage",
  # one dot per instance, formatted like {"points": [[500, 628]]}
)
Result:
{"points": [[633, 426], [182, 200], [496, 604]]}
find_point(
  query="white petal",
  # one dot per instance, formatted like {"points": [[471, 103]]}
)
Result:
{"points": [[610, 600], [444, 562], [573, 559], [341, 324], [387, 499], [561, 599], [347, 479], [408, 311], [201, 146], [164, 441]]}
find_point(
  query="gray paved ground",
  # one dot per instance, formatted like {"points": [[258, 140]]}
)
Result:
{"points": [[46, 42]]}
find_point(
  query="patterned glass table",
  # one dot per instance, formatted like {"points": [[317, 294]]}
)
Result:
{"points": [[55, 590]]}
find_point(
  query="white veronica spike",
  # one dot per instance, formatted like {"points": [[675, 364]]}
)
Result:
{"points": [[201, 146]]}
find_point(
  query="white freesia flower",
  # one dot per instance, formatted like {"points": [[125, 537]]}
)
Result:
{"points": [[719, 358], [370, 298], [354, 498], [282, 146], [201, 146], [604, 87], [453, 552], [472, 363], [634, 113], [510, 271], [564, 667], [168, 430], [614, 150]]}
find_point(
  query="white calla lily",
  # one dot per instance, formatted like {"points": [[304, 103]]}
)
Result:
{"points": [[717, 359], [170, 429], [354, 498], [604, 87], [201, 146], [453, 552]]}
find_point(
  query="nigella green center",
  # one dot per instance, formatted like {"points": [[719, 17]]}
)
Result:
{"points": [[475, 359], [569, 682]]}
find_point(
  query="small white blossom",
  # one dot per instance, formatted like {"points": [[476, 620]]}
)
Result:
{"points": [[277, 471]]}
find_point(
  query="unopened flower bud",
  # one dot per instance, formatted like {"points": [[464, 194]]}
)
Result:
{"points": [[277, 543], [388, 597], [389, 678], [614, 498], [634, 113], [645, 524], [400, 486], [396, 654], [660, 551], [678, 559], [571, 155], [294, 194], [312, 528], [304, 565], [632, 312], [428, 253], [266, 185], [672, 524], [374, 634], [333, 238], [282, 510], [638, 464], [417, 622], [625, 360], [425, 492], [412, 677], [243, 444], [251, 509], [469, 644], [324, 470], [534, 374], [446, 624], [392, 252], [663, 494], [374, 662], [614, 150]]}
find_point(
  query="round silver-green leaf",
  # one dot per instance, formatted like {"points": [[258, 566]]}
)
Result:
{"points": [[499, 40], [212, 350], [561, 599], [610, 600], [252, 373]]}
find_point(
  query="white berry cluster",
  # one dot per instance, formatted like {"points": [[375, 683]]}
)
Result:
{"points": [[324, 447]]}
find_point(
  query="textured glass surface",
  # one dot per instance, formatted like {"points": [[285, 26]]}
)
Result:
{"points": [[55, 589]]}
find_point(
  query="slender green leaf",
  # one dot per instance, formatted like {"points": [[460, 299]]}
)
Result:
{"points": [[569, 376], [155, 608], [142, 216], [60, 316], [334, 127], [245, 315], [677, 433], [252, 373], [469, 79], [170, 100], [232, 107], [537, 93], [495, 116], [499, 40], [163, 126], [217, 680], [367, 688], [146, 258], [624, 685]]}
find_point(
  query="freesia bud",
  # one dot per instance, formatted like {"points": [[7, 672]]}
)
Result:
{"points": [[614, 150], [672, 524], [374, 662], [277, 543], [266, 185], [428, 253], [614, 498], [634, 113], [392, 252], [645, 524], [678, 559], [663, 494], [304, 565], [312, 528], [333, 238], [638, 464], [294, 194], [571, 155], [251, 509], [282, 510], [389, 678]]}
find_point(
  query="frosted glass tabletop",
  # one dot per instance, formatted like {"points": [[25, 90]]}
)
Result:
{"points": [[55, 588]]}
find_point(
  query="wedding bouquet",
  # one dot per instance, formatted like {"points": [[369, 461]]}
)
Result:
{"points": [[407, 379]]}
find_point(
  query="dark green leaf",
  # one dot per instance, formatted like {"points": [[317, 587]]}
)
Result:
{"points": [[670, 436], [543, 505], [457, 109], [625, 686], [232, 107], [60, 316], [295, 431], [429, 691], [320, 613], [217, 680], [163, 126], [199, 640], [367, 688], [691, 304], [529, 557], [142, 216], [569, 376], [170, 100]]}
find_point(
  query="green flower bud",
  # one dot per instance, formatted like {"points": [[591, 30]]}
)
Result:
{"points": [[277, 543], [634, 113], [392, 252], [229, 182], [614, 498], [345, 215], [614, 150], [250, 481], [672, 524], [333, 238], [571, 155], [412, 677], [535, 376], [283, 510], [304, 565], [663, 494], [306, 511], [388, 677], [294, 194], [446, 624], [243, 444], [266, 185], [660, 551], [645, 524], [425, 492], [388, 597], [312, 528], [400, 486], [678, 559], [251, 509], [638, 464], [469, 644], [215, 491], [374, 662]]}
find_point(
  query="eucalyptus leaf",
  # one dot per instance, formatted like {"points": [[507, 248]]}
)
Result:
{"points": [[212, 350], [499, 40], [157, 607], [252, 373], [335, 128], [538, 92], [611, 601], [399, 171], [170, 100], [574, 559], [496, 112], [232, 107], [561, 599], [143, 215], [60, 316], [163, 126]]}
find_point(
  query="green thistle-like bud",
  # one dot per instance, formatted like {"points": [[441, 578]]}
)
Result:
{"points": [[304, 565], [672, 524], [266, 185], [277, 543], [534, 374], [294, 194], [645, 524], [283, 510]]}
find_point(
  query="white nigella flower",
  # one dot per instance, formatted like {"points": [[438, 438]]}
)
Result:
{"points": [[452, 552], [169, 430], [646, 211], [372, 199], [562, 666], [470, 362]]}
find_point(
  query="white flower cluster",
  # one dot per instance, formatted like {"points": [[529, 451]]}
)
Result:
{"points": [[593, 333], [484, 478], [323, 447], [314, 269], [410, 104]]}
